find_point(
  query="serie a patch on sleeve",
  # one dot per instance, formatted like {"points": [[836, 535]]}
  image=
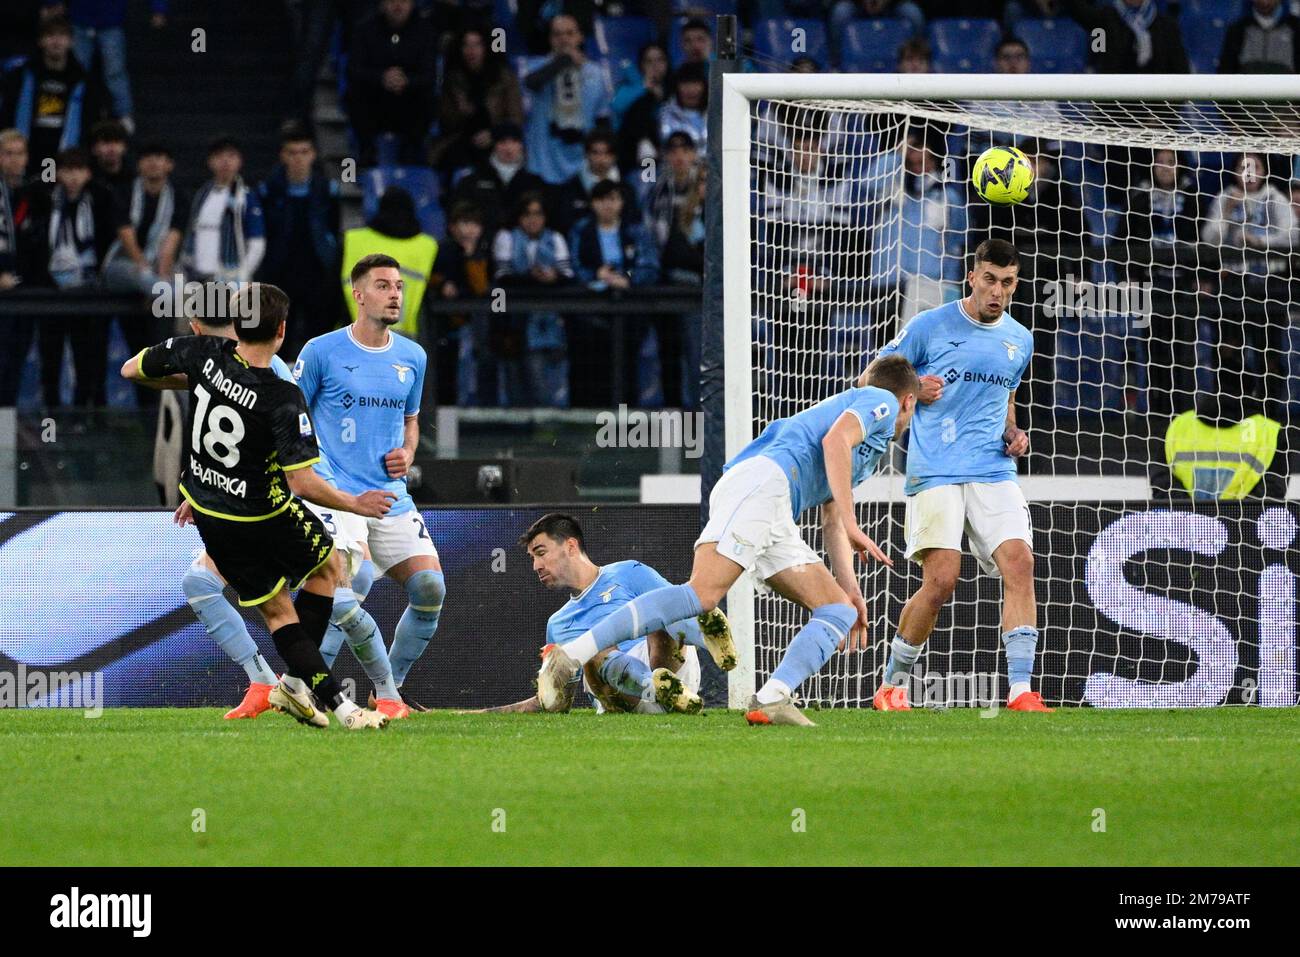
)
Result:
{"points": [[304, 424], [880, 411]]}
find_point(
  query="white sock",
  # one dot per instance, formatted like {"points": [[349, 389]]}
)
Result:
{"points": [[773, 691], [295, 685], [582, 649], [1017, 689], [344, 709]]}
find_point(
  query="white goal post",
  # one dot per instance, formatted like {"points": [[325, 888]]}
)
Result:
{"points": [[784, 339]]}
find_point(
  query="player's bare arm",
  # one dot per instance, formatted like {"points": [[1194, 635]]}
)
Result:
{"points": [[398, 461], [837, 452], [306, 484], [840, 552], [1016, 438]]}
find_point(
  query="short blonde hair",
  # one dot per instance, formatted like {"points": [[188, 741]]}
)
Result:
{"points": [[10, 135]]}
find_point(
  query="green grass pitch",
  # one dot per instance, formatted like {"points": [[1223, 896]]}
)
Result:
{"points": [[1205, 787]]}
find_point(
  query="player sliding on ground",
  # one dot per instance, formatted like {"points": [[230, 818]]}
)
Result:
{"points": [[650, 675], [812, 458], [249, 437], [961, 469], [363, 385], [204, 587]]}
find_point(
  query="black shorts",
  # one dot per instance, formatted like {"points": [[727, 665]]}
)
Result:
{"points": [[259, 558]]}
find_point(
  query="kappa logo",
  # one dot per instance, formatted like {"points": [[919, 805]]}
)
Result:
{"points": [[1011, 347], [401, 371]]}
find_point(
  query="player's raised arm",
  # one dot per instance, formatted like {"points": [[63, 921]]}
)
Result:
{"points": [[837, 452], [161, 375]]}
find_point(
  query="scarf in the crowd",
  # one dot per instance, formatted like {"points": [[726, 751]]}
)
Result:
{"points": [[72, 239], [506, 171], [151, 244], [1139, 21], [233, 244], [1271, 20]]}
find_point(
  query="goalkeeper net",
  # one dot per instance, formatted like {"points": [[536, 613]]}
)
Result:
{"points": [[1156, 277]]}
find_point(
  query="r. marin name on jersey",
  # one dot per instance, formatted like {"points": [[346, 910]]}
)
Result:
{"points": [[246, 428]]}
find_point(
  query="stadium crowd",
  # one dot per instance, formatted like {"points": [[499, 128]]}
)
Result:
{"points": [[559, 145]]}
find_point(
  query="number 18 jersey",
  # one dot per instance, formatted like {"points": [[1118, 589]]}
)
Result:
{"points": [[246, 428]]}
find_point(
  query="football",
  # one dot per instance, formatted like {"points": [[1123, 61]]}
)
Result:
{"points": [[1002, 175]]}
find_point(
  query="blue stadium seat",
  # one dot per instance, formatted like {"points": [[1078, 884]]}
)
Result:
{"points": [[871, 46], [420, 181], [705, 9], [774, 40], [1055, 45], [1091, 357], [1226, 10], [620, 39], [963, 46], [1203, 40]]}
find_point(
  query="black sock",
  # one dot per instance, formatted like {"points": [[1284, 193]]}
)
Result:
{"points": [[305, 662], [314, 613]]}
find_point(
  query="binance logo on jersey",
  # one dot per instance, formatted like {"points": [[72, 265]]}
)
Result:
{"points": [[347, 400], [951, 376]]}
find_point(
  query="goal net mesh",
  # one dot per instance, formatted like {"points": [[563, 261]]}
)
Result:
{"points": [[1156, 278]]}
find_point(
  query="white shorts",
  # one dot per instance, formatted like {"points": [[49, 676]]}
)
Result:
{"points": [[989, 512], [342, 528], [392, 539], [689, 672], [751, 522]]}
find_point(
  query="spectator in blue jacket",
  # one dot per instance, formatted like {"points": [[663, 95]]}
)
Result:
{"points": [[300, 205], [50, 99], [534, 347], [100, 25], [569, 97], [609, 254]]}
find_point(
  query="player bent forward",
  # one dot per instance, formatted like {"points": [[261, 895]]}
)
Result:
{"points": [[249, 436], [650, 675], [810, 459], [961, 469]]}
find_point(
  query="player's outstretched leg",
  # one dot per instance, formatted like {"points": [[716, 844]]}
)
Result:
{"points": [[203, 590], [711, 576]]}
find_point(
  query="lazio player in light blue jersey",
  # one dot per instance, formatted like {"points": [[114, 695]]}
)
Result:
{"points": [[812, 459], [363, 385], [961, 470], [647, 675]]}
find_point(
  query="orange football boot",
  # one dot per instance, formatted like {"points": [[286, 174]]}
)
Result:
{"points": [[1028, 701], [891, 698], [394, 709], [254, 702]]}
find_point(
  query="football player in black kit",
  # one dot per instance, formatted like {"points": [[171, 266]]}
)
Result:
{"points": [[251, 445]]}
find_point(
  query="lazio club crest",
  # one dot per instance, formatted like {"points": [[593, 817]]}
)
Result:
{"points": [[401, 371]]}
